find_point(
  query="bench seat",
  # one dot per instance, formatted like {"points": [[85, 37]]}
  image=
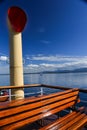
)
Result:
{"points": [[18, 114], [72, 121]]}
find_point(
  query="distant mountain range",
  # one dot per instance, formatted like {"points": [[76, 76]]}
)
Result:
{"points": [[58, 71], [68, 71], [80, 70]]}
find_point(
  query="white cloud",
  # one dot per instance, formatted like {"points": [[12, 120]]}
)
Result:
{"points": [[3, 58], [58, 58], [40, 62], [33, 65], [57, 62]]}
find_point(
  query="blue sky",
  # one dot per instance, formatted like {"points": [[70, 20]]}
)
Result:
{"points": [[55, 36]]}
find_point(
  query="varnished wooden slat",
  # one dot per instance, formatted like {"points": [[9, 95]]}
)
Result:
{"points": [[26, 111], [41, 85], [60, 120], [63, 88], [14, 126], [28, 100], [53, 124], [78, 118], [22, 86], [27, 107], [36, 111], [14, 103], [32, 119], [79, 125], [67, 121]]}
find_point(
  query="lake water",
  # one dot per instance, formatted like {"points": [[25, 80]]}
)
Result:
{"points": [[75, 80], [78, 80]]}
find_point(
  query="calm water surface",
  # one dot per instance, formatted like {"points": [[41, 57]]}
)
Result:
{"points": [[64, 79], [75, 80]]}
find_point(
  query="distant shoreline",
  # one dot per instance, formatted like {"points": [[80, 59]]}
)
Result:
{"points": [[50, 73]]}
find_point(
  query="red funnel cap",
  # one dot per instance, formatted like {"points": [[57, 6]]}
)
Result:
{"points": [[17, 18]]}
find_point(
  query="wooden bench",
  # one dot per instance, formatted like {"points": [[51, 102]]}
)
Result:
{"points": [[17, 114]]}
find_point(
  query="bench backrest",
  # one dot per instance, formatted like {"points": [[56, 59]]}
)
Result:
{"points": [[18, 113]]}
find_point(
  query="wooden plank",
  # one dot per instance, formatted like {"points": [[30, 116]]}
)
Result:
{"points": [[23, 86], [41, 85], [34, 118], [36, 105], [71, 122], [14, 103], [53, 124], [56, 87], [36, 108], [60, 120], [43, 109], [79, 124], [63, 88], [67, 121], [30, 100]]}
